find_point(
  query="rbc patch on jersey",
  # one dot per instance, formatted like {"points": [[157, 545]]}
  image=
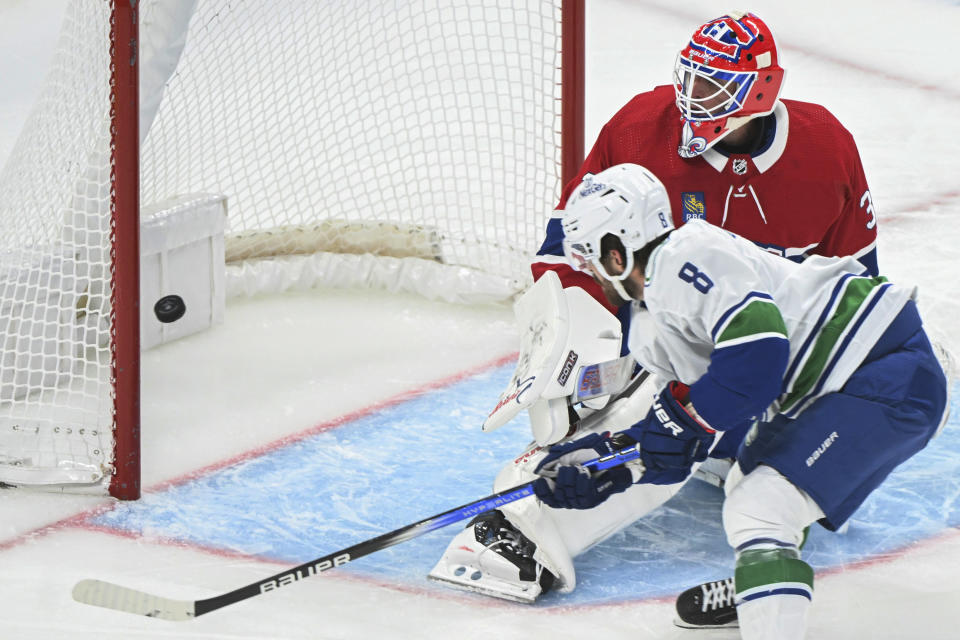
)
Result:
{"points": [[692, 205]]}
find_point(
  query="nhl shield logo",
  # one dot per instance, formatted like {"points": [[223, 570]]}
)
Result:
{"points": [[740, 166]]}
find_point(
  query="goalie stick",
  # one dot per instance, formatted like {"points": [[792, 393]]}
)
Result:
{"points": [[113, 596]]}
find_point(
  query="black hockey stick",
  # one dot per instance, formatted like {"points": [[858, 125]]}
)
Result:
{"points": [[113, 596]]}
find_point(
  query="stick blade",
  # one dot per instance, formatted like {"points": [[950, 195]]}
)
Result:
{"points": [[113, 596]]}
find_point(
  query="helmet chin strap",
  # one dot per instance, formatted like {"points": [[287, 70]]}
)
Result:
{"points": [[617, 280], [618, 287]]}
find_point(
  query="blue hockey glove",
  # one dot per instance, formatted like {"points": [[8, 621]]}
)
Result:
{"points": [[670, 438], [564, 484]]}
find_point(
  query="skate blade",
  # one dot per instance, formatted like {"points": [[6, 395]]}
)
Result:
{"points": [[505, 592], [733, 624]]}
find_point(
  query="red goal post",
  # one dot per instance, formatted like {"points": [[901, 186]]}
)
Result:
{"points": [[419, 146]]}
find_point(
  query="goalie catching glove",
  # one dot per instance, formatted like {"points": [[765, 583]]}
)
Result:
{"points": [[670, 438]]}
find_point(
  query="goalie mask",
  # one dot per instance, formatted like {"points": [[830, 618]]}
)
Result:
{"points": [[626, 201], [727, 75]]}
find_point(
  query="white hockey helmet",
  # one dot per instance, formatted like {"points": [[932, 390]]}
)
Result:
{"points": [[626, 201]]}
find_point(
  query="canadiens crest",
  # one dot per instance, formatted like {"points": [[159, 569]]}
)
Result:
{"points": [[691, 145], [693, 206], [725, 37]]}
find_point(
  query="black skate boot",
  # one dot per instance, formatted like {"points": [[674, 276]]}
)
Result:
{"points": [[707, 606], [491, 557]]}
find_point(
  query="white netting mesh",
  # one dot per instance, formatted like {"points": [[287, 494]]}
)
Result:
{"points": [[418, 117], [425, 130], [55, 409]]}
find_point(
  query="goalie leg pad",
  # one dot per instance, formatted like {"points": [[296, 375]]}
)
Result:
{"points": [[562, 534], [535, 521], [582, 529], [556, 536]]}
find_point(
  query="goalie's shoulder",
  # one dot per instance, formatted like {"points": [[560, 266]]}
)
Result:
{"points": [[647, 110], [811, 114], [815, 128]]}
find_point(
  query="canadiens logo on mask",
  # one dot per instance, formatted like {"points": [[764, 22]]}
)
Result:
{"points": [[691, 145], [727, 75]]}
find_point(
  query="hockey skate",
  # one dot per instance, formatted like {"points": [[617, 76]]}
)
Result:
{"points": [[491, 557], [707, 606]]}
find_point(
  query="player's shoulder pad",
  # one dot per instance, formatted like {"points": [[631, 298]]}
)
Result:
{"points": [[694, 246], [683, 241]]}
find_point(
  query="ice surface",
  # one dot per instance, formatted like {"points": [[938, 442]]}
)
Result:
{"points": [[310, 421]]}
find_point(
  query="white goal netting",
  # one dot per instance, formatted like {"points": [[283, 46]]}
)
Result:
{"points": [[410, 145]]}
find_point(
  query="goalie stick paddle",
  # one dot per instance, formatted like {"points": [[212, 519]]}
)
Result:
{"points": [[113, 596]]}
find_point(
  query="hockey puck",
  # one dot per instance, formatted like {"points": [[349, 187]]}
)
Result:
{"points": [[169, 308]]}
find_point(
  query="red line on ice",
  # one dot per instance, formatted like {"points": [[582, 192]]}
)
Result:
{"points": [[333, 424], [82, 520]]}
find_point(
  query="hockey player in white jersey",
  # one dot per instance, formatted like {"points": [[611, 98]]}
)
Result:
{"points": [[830, 367], [527, 547]]}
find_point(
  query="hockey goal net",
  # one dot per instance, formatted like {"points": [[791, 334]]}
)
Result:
{"points": [[416, 145]]}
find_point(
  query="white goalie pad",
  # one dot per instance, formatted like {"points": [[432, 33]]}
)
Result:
{"points": [[563, 534], [561, 330]]}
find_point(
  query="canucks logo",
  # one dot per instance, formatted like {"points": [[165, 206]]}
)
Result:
{"points": [[693, 206]]}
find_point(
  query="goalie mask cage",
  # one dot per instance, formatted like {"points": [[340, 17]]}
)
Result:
{"points": [[418, 145]]}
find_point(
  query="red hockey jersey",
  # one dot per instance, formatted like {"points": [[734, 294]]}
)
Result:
{"points": [[803, 192]]}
